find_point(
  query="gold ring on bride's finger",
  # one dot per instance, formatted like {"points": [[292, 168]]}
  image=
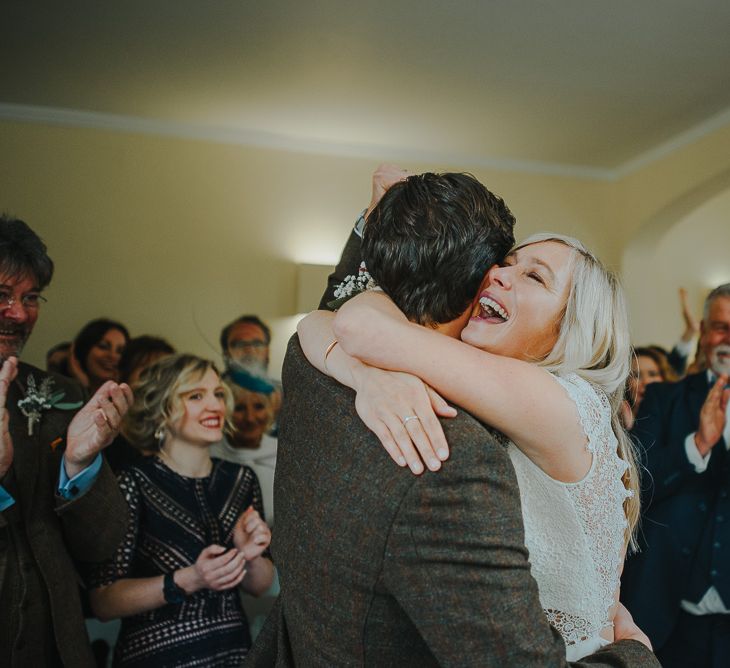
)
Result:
{"points": [[409, 417]]}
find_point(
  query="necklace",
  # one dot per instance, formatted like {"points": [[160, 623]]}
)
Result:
{"points": [[178, 469]]}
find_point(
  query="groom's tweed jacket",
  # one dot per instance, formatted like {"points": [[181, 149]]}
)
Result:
{"points": [[379, 567]]}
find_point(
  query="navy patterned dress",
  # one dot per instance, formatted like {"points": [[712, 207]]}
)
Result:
{"points": [[171, 519]]}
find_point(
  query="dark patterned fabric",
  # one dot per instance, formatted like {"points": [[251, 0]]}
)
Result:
{"points": [[171, 519]]}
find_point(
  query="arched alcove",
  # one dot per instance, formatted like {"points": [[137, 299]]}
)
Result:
{"points": [[687, 244]]}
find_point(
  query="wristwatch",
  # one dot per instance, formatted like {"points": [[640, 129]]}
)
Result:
{"points": [[171, 591]]}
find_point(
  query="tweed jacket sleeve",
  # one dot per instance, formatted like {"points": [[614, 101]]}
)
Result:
{"points": [[457, 564], [94, 523], [348, 265]]}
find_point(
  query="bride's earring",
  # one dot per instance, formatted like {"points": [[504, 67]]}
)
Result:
{"points": [[160, 435]]}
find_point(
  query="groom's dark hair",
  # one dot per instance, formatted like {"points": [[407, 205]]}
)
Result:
{"points": [[431, 239]]}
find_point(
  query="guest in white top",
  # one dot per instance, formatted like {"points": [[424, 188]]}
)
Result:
{"points": [[250, 444], [255, 401]]}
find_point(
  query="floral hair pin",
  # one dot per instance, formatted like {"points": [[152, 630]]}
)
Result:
{"points": [[38, 399], [351, 286]]}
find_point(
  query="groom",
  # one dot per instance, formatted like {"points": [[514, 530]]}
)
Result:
{"points": [[379, 567]]}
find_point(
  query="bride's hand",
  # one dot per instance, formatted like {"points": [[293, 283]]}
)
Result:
{"points": [[402, 412], [625, 628]]}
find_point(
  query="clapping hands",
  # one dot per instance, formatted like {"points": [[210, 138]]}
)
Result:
{"points": [[713, 416], [215, 568], [96, 425], [691, 325], [251, 535], [219, 569]]}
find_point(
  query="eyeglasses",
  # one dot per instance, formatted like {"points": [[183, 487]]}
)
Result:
{"points": [[30, 301], [240, 344]]}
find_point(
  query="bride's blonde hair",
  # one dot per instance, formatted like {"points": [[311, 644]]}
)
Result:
{"points": [[593, 342]]}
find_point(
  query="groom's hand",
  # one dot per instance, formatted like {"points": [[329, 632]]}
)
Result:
{"points": [[625, 628], [383, 178]]}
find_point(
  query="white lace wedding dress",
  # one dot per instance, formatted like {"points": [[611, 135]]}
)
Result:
{"points": [[575, 531]]}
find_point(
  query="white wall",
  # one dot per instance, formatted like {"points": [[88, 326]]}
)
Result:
{"points": [[177, 237], [693, 253]]}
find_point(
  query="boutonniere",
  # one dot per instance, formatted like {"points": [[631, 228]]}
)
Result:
{"points": [[38, 399], [351, 286]]}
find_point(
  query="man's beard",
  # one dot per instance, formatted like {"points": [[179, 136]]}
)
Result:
{"points": [[255, 367], [12, 329], [719, 359]]}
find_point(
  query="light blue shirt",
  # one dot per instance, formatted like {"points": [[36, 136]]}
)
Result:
{"points": [[5, 499], [68, 488]]}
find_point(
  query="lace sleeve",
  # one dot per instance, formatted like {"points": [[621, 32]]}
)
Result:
{"points": [[119, 566], [598, 501], [591, 403]]}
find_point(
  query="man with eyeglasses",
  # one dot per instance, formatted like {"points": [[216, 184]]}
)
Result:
{"points": [[678, 585], [245, 344], [59, 502]]}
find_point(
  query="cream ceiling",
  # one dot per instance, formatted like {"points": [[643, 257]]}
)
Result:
{"points": [[566, 84]]}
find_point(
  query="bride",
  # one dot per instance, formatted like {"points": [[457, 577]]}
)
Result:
{"points": [[544, 359]]}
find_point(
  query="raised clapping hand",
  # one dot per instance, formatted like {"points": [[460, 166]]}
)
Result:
{"points": [[8, 371], [712, 416], [251, 535], [402, 412], [691, 326], [96, 425]]}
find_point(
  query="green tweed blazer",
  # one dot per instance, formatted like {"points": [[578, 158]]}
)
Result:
{"points": [[46, 534], [379, 567]]}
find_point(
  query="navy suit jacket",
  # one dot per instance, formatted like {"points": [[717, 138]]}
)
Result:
{"points": [[680, 509]]}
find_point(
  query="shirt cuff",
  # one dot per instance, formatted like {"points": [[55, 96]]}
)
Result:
{"points": [[693, 454], [76, 486], [360, 223], [5, 499]]}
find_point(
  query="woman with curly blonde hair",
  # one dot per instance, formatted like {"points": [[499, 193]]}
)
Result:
{"points": [[195, 529]]}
